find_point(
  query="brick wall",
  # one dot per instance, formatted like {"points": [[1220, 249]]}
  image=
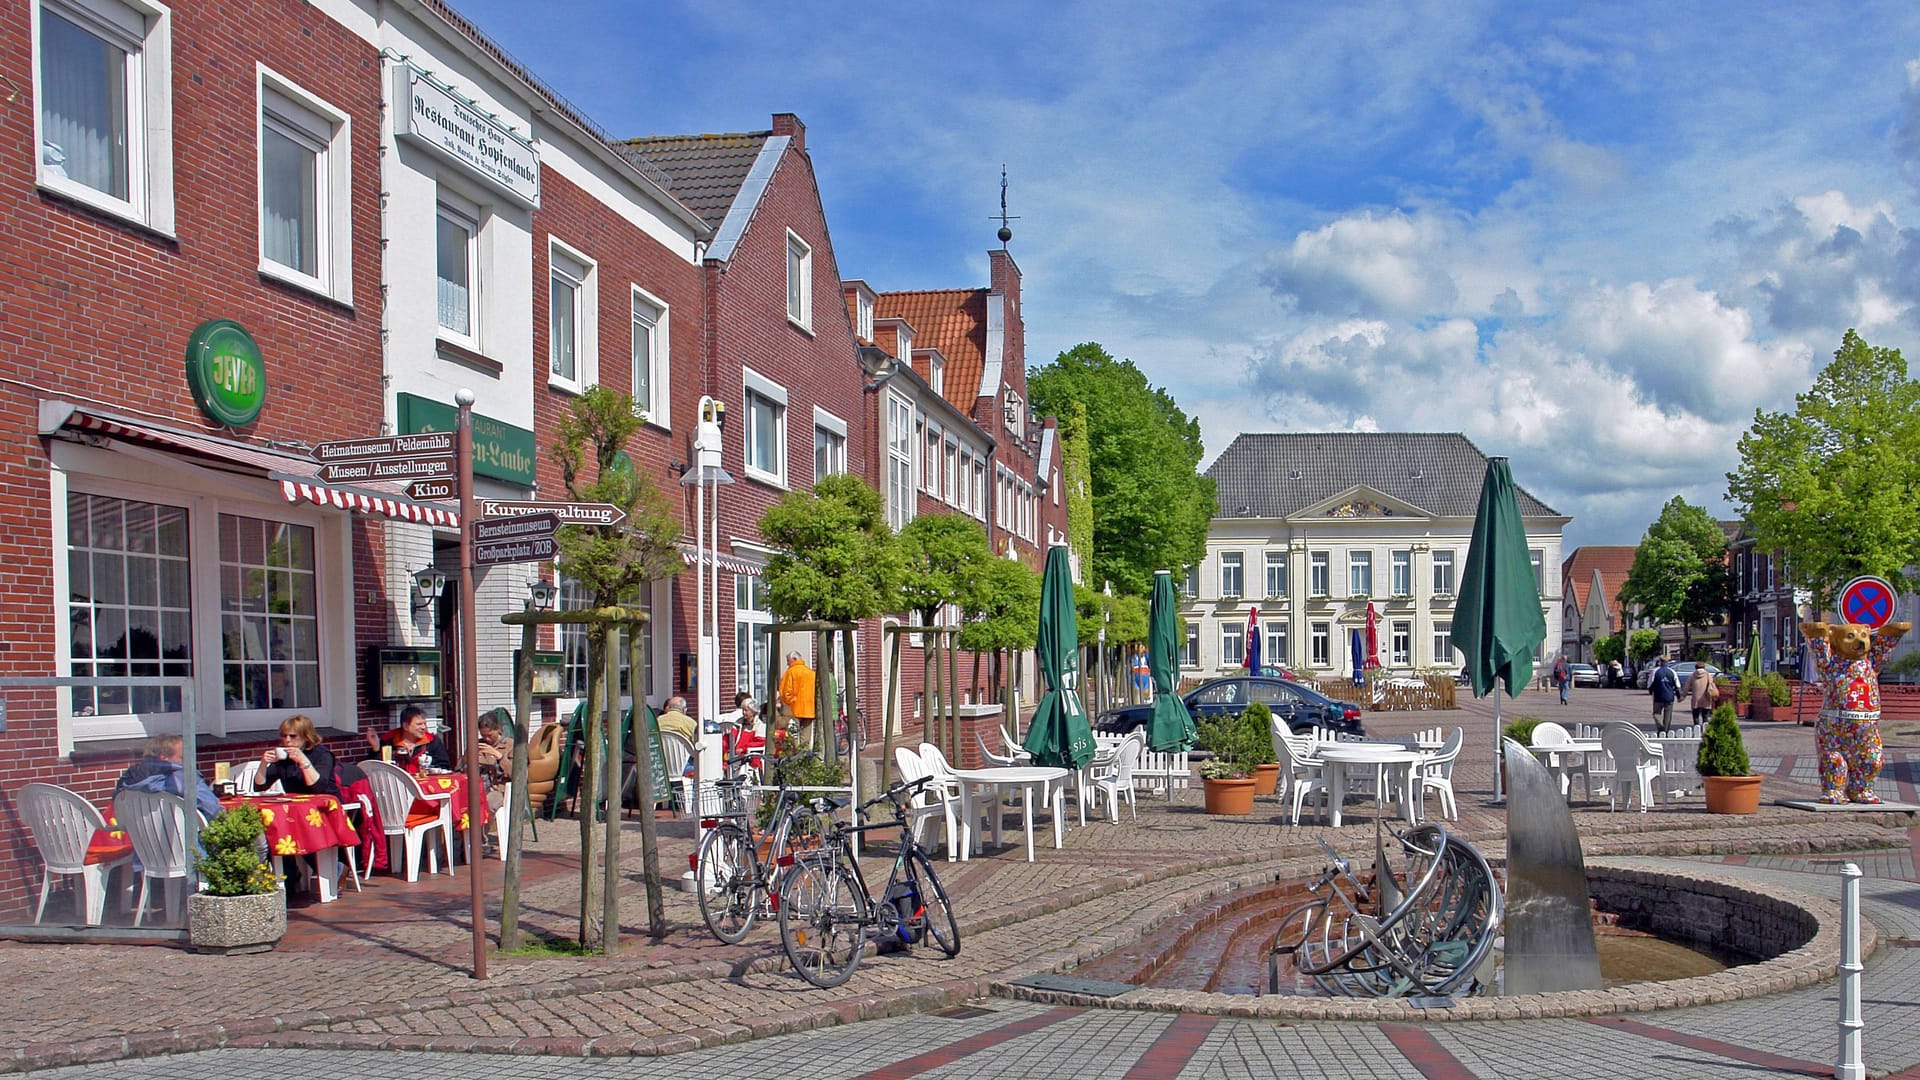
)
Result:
{"points": [[97, 310]]}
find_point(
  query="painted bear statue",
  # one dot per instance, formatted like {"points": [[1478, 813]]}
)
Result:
{"points": [[1847, 659]]}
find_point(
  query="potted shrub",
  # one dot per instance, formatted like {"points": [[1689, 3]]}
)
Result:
{"points": [[1257, 749], [242, 909], [1732, 788], [1224, 777], [1742, 697]]}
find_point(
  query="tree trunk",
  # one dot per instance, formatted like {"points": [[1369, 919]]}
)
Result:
{"points": [[517, 794], [649, 836], [586, 801], [611, 786]]}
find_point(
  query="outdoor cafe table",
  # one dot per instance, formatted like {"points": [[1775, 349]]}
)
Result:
{"points": [[1380, 757], [314, 825], [1048, 783], [1560, 757]]}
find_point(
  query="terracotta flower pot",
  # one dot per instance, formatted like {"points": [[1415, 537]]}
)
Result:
{"points": [[1760, 708], [1232, 797], [1732, 794], [1266, 779]]}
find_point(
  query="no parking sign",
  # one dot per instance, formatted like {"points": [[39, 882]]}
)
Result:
{"points": [[1867, 600]]}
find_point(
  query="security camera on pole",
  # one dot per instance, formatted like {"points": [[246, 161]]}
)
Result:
{"points": [[706, 612]]}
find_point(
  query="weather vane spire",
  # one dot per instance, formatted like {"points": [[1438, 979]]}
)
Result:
{"points": [[1002, 217]]}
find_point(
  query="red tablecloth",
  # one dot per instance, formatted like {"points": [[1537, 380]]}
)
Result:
{"points": [[454, 783], [373, 853], [300, 824], [108, 844]]}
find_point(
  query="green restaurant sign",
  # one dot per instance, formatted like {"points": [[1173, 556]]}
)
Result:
{"points": [[226, 373], [500, 450]]}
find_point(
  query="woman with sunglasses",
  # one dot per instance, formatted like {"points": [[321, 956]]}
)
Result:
{"points": [[300, 764]]}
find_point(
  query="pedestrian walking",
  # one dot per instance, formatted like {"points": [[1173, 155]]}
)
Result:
{"points": [[1701, 693], [1665, 688], [1562, 678]]}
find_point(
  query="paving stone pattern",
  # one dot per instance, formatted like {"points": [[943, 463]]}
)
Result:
{"points": [[385, 970]]}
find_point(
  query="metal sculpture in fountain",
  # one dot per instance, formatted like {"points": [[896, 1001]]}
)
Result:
{"points": [[1426, 931]]}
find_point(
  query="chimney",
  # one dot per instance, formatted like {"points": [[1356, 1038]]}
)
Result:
{"points": [[787, 123]]}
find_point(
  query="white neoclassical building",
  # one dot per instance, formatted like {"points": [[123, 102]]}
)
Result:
{"points": [[1311, 529]]}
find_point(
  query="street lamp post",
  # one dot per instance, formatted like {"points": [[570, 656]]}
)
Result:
{"points": [[707, 472]]}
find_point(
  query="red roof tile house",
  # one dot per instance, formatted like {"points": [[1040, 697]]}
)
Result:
{"points": [[1590, 581]]}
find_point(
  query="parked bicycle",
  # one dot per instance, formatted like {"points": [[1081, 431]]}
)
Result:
{"points": [[827, 913], [736, 865]]}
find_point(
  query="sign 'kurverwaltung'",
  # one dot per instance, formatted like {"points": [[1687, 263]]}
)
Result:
{"points": [[433, 117]]}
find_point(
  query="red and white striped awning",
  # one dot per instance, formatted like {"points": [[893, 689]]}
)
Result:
{"points": [[365, 503], [297, 475], [730, 563]]}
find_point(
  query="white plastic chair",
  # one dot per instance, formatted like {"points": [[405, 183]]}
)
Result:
{"points": [[1436, 774], [1001, 760], [675, 752], [929, 802], [156, 824], [1573, 766], [395, 790], [1112, 779], [243, 780], [1633, 756], [1300, 771], [63, 824]]}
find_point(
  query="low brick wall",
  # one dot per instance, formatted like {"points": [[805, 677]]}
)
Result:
{"points": [[1727, 919]]}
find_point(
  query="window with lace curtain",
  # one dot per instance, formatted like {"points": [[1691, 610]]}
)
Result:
{"points": [[105, 106], [304, 215]]}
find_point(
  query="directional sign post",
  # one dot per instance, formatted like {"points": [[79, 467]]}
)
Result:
{"points": [[430, 489], [395, 469], [1867, 600], [570, 513], [533, 549], [386, 447], [528, 538]]}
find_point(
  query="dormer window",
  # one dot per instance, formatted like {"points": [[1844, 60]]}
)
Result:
{"points": [[863, 317], [937, 374]]}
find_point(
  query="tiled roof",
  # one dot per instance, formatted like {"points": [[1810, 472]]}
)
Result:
{"points": [[1278, 475], [703, 171], [953, 321], [1613, 562]]}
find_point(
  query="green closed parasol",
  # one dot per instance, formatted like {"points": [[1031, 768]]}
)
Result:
{"points": [[1060, 735], [1497, 621], [1171, 728]]}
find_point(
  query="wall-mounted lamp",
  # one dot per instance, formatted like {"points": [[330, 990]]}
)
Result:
{"points": [[541, 594], [428, 584], [879, 366]]}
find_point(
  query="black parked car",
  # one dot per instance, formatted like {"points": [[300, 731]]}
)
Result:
{"points": [[1298, 706]]}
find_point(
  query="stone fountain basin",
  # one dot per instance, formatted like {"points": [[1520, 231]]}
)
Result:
{"points": [[1798, 933]]}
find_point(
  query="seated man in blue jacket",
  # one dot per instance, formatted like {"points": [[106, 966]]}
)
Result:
{"points": [[160, 770]]}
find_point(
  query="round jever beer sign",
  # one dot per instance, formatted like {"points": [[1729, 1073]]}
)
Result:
{"points": [[226, 373]]}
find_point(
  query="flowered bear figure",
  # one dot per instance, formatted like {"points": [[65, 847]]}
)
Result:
{"points": [[1847, 659]]}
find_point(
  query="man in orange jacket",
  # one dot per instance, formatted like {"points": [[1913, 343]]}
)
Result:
{"points": [[796, 693]]}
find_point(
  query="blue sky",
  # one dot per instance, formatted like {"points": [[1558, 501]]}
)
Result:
{"points": [[1594, 240]]}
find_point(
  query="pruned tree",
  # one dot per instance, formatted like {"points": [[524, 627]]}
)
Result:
{"points": [[1834, 486], [1006, 620], [612, 562], [1679, 571]]}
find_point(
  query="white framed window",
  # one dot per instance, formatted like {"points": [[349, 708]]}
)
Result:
{"points": [[1443, 651], [1233, 644], [572, 324], [965, 502], [1400, 644], [573, 640], [237, 595], [652, 367], [1402, 583], [1359, 573], [457, 270], [766, 438], [829, 444], [1277, 643], [937, 373], [1319, 574], [900, 443], [1443, 573], [1276, 575], [799, 282], [104, 83], [752, 614], [306, 232], [1233, 575], [863, 317], [1190, 648], [1538, 559], [932, 458], [950, 470], [1319, 641], [1190, 584], [980, 488]]}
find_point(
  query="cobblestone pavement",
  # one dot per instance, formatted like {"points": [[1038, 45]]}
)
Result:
{"points": [[386, 969]]}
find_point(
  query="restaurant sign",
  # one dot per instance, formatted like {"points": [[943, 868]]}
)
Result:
{"points": [[500, 450], [226, 373], [434, 117]]}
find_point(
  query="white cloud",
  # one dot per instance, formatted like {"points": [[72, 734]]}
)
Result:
{"points": [[1385, 263]]}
